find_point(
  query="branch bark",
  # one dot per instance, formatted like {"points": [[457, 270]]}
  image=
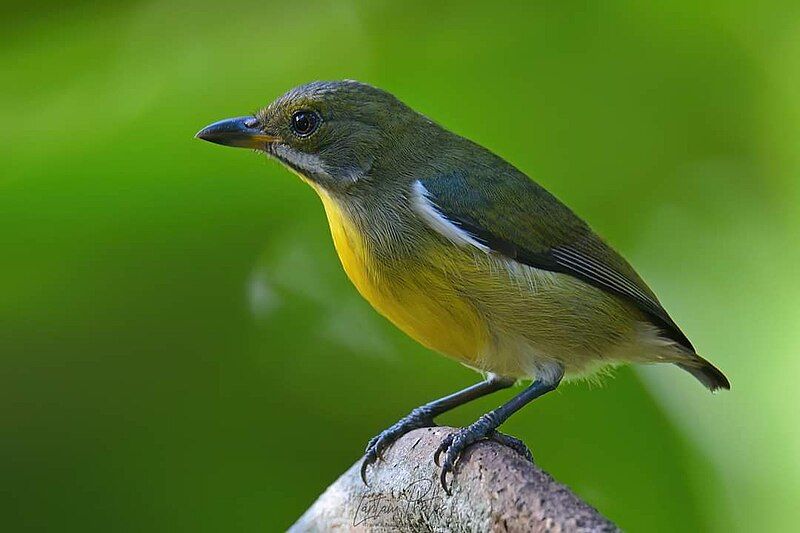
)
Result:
{"points": [[494, 489]]}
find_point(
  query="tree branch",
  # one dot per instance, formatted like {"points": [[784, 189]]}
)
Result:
{"points": [[494, 489]]}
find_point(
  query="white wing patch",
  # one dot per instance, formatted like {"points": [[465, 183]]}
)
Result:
{"points": [[429, 211]]}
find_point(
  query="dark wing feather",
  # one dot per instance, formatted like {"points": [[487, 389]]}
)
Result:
{"points": [[515, 217]]}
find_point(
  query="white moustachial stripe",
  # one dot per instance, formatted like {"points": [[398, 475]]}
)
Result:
{"points": [[309, 162]]}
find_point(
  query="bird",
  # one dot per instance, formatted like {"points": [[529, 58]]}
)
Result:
{"points": [[464, 253]]}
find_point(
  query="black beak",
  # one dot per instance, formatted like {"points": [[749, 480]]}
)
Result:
{"points": [[241, 132]]}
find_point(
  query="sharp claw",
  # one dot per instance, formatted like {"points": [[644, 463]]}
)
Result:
{"points": [[364, 465], [381, 442], [455, 444], [450, 457], [446, 442], [443, 479], [369, 458]]}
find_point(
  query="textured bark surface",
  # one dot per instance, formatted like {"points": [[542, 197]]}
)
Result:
{"points": [[494, 489]]}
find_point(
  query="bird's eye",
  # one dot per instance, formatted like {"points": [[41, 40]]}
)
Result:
{"points": [[304, 123]]}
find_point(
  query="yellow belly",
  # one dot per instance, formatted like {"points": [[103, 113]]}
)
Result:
{"points": [[419, 301]]}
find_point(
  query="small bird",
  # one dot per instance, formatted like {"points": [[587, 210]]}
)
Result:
{"points": [[464, 253]]}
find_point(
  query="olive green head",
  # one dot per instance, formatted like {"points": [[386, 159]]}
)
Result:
{"points": [[332, 133]]}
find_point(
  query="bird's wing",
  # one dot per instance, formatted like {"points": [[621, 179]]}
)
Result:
{"points": [[507, 213]]}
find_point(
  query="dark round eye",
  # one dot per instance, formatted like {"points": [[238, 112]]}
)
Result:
{"points": [[304, 123]]}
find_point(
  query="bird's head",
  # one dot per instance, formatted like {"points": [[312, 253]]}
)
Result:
{"points": [[330, 133]]}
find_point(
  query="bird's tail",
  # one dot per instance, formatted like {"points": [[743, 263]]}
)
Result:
{"points": [[706, 373]]}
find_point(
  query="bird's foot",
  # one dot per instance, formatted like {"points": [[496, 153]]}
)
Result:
{"points": [[418, 418], [513, 443], [455, 444]]}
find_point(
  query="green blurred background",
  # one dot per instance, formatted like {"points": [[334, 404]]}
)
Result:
{"points": [[181, 351]]}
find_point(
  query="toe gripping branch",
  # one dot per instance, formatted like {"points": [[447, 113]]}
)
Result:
{"points": [[423, 417], [420, 417], [455, 444]]}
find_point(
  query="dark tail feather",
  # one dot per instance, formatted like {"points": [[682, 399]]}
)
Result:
{"points": [[706, 373]]}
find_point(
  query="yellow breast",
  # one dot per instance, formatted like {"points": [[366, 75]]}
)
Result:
{"points": [[418, 300]]}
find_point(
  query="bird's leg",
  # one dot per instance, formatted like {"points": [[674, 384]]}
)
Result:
{"points": [[486, 426], [423, 416]]}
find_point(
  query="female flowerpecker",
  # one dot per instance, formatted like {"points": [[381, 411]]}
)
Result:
{"points": [[463, 252]]}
